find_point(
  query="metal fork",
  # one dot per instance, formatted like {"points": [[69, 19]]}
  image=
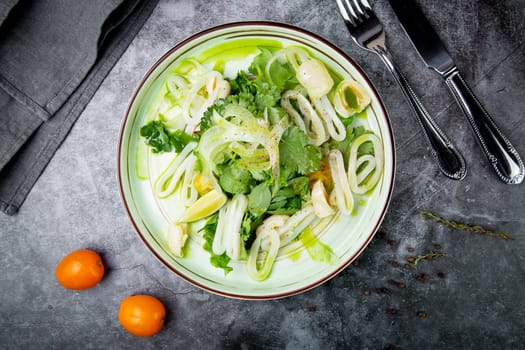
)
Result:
{"points": [[368, 33]]}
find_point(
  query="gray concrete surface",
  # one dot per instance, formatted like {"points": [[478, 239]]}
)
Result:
{"points": [[478, 302]]}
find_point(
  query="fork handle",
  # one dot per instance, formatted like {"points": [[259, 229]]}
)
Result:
{"points": [[449, 160], [499, 151]]}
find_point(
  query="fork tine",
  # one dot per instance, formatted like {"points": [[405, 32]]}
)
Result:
{"points": [[367, 7], [344, 12], [358, 9], [352, 11], [348, 12]]}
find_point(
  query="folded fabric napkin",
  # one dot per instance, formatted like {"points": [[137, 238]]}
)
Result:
{"points": [[53, 57]]}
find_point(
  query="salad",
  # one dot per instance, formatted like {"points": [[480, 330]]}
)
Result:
{"points": [[259, 152]]}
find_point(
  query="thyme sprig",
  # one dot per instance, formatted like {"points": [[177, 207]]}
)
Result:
{"points": [[427, 256], [462, 226]]}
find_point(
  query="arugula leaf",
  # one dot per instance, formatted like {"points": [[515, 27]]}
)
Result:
{"points": [[267, 95], [160, 139], [219, 261], [296, 155], [259, 199]]}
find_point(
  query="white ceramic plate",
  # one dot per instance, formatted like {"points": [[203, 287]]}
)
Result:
{"points": [[294, 272]]}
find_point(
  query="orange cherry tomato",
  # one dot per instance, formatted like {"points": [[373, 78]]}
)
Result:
{"points": [[82, 269], [142, 315]]}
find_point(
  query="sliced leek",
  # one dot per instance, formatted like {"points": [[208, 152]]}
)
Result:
{"points": [[225, 132]]}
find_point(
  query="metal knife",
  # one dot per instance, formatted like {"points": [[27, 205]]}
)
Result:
{"points": [[499, 151]]}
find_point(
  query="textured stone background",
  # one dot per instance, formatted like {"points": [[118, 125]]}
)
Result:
{"points": [[479, 303]]}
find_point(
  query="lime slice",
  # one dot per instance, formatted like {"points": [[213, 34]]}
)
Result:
{"points": [[204, 206]]}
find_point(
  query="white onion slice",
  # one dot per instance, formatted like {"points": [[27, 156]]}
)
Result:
{"points": [[296, 224], [169, 178]]}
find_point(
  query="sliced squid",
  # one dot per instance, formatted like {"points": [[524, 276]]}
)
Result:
{"points": [[333, 124], [313, 75], [176, 237], [228, 236], [365, 171], [273, 222], [296, 56], [308, 120], [266, 244], [219, 245], [320, 200], [343, 194], [341, 103]]}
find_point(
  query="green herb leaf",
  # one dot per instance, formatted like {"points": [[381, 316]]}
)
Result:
{"points": [[259, 199], [428, 256], [248, 227], [234, 179], [259, 62], [462, 226], [296, 155], [221, 262], [161, 140], [288, 200], [208, 233]]}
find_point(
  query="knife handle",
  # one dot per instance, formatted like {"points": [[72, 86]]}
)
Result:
{"points": [[449, 160], [499, 151]]}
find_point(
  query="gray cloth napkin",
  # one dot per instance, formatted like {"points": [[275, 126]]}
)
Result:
{"points": [[53, 57]]}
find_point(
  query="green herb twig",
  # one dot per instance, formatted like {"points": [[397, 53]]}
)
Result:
{"points": [[462, 226], [428, 256]]}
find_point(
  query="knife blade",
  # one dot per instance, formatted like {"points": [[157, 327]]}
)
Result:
{"points": [[503, 157], [422, 36]]}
